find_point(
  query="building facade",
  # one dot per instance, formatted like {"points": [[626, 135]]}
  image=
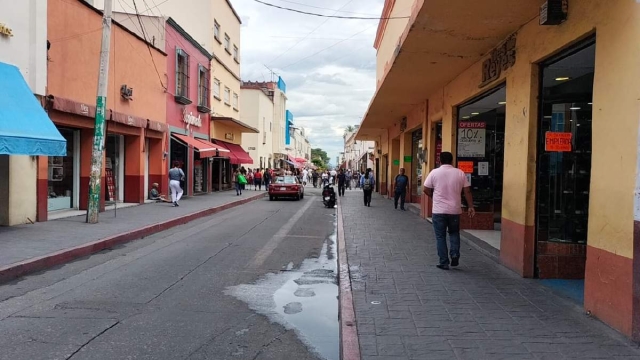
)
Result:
{"points": [[257, 110], [280, 128], [188, 110], [23, 66], [540, 110], [358, 154], [135, 139]]}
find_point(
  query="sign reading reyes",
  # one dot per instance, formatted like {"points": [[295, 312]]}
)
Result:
{"points": [[557, 141], [471, 139], [502, 58]]}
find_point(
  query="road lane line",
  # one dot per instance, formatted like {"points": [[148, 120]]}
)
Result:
{"points": [[273, 243]]}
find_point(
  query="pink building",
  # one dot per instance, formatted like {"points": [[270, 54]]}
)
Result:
{"points": [[188, 108]]}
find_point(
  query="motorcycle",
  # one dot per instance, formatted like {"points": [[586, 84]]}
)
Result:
{"points": [[328, 196]]}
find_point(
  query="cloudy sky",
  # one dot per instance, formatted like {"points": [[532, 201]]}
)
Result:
{"points": [[329, 65]]}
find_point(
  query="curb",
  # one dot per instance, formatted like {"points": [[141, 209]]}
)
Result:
{"points": [[39, 263], [349, 344]]}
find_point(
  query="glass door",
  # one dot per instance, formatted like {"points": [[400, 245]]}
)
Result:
{"points": [[564, 164]]}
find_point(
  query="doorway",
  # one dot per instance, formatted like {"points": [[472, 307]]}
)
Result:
{"points": [[481, 127], [564, 163], [114, 168]]}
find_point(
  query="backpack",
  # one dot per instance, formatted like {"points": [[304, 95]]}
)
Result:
{"points": [[367, 184]]}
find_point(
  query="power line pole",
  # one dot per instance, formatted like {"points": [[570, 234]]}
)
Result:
{"points": [[93, 208]]}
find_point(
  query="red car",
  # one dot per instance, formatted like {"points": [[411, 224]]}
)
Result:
{"points": [[286, 186]]}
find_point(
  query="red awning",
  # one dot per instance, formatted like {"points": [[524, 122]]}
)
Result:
{"points": [[237, 155], [205, 148], [301, 160]]}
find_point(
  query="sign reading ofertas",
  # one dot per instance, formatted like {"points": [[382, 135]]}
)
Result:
{"points": [[471, 139]]}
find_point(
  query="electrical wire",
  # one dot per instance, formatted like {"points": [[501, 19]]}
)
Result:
{"points": [[327, 48], [309, 34], [147, 43], [330, 16], [323, 8]]}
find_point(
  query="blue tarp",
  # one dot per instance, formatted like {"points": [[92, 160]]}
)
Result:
{"points": [[25, 128]]}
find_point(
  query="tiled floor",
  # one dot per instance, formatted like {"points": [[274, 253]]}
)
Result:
{"points": [[406, 308]]}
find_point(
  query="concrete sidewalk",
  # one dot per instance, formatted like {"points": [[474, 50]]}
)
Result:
{"points": [[406, 308], [28, 248]]}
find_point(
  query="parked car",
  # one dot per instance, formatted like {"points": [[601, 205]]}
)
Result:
{"points": [[286, 186]]}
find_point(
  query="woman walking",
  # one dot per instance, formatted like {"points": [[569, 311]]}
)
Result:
{"points": [[257, 179], [175, 176]]}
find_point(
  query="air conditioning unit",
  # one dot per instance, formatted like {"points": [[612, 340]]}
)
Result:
{"points": [[126, 92]]}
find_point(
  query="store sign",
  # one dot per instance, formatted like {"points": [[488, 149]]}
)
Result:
{"points": [[228, 136], [466, 166], [471, 139], [557, 141], [5, 30], [190, 119], [252, 148], [502, 58]]}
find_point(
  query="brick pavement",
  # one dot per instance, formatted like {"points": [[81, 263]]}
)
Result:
{"points": [[23, 242], [406, 308]]}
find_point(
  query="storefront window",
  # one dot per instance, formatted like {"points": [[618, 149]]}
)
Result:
{"points": [[416, 163], [481, 125], [200, 167], [564, 148], [438, 144], [114, 168], [61, 176]]}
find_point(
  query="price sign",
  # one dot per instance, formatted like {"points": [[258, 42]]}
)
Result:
{"points": [[557, 141], [466, 166], [471, 139]]}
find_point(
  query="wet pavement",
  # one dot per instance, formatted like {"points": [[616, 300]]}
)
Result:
{"points": [[254, 282], [406, 308]]}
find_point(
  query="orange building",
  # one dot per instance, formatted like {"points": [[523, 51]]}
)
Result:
{"points": [[135, 141]]}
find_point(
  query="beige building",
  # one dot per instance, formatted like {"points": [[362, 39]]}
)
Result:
{"points": [[300, 147], [540, 109], [257, 110]]}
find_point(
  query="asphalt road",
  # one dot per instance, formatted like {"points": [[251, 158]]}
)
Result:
{"points": [[254, 282]]}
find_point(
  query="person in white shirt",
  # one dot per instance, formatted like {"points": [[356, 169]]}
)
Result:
{"points": [[325, 178], [334, 173], [445, 185], [305, 177]]}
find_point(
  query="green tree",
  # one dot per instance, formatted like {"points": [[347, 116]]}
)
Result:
{"points": [[321, 155], [318, 163]]}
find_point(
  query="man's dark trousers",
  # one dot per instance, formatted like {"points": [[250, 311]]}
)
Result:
{"points": [[399, 195], [341, 187]]}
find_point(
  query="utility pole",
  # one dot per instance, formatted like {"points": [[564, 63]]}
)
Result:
{"points": [[93, 208]]}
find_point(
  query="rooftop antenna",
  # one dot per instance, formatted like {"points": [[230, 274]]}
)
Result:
{"points": [[273, 73]]}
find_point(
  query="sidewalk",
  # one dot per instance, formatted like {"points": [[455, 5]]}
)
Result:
{"points": [[21, 245], [406, 308]]}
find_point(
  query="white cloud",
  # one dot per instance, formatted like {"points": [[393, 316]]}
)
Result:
{"points": [[330, 74]]}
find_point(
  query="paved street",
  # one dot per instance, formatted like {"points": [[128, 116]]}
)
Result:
{"points": [[406, 308], [19, 243], [253, 282]]}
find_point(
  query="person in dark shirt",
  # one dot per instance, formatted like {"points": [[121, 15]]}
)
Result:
{"points": [[400, 189], [342, 182]]}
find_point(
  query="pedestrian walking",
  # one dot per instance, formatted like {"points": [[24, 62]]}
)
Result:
{"points": [[342, 179], [176, 175], [305, 177], [333, 174], [237, 179], [366, 183], [257, 179], [314, 177], [400, 189], [266, 177], [250, 181], [347, 179], [444, 185]]}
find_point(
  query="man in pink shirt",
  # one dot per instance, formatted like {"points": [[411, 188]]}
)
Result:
{"points": [[444, 185]]}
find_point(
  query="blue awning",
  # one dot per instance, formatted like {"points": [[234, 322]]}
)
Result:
{"points": [[25, 128]]}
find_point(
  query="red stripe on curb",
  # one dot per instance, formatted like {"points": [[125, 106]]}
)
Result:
{"points": [[349, 344], [32, 265]]}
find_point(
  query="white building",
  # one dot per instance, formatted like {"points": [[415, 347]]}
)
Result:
{"points": [[358, 155], [23, 45]]}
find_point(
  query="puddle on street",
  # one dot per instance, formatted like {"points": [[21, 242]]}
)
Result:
{"points": [[304, 299]]}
